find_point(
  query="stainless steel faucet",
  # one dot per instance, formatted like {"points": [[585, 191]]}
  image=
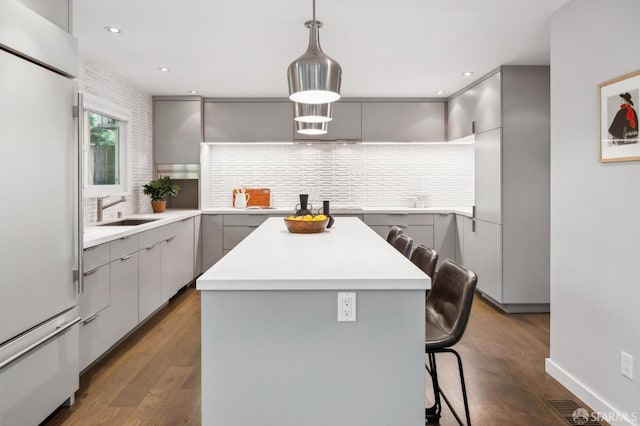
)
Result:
{"points": [[102, 207]]}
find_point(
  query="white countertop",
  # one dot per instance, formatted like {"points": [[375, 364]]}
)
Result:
{"points": [[95, 235], [348, 256], [465, 211]]}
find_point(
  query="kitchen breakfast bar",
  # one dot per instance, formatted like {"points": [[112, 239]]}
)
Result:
{"points": [[273, 351]]}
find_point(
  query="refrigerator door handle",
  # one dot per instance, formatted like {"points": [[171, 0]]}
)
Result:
{"points": [[78, 114], [25, 351]]}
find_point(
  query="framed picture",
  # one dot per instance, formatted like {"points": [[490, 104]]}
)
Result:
{"points": [[619, 137]]}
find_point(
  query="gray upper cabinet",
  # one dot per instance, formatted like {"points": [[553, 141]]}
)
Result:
{"points": [[177, 130], [346, 123], [487, 114], [248, 121], [476, 110], [403, 121]]}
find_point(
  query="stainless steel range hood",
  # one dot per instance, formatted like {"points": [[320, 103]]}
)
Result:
{"points": [[179, 171]]}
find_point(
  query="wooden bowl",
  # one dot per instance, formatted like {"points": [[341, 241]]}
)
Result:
{"points": [[306, 226]]}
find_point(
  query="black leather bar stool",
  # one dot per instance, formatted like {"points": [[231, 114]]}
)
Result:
{"points": [[448, 308], [394, 231], [425, 258], [403, 244]]}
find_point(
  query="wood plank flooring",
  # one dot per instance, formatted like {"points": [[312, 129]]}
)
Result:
{"points": [[153, 377]]}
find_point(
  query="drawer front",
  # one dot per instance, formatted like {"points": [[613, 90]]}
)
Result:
{"points": [[155, 236], [95, 256], [234, 234], [97, 291], [124, 246], [96, 337], [398, 219], [244, 219], [40, 381]]}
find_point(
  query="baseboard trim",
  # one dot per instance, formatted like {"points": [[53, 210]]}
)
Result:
{"points": [[517, 308], [586, 395]]}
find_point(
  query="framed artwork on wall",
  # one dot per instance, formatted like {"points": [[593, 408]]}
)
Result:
{"points": [[619, 136]]}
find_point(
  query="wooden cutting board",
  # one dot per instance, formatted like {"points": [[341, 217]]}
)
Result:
{"points": [[258, 197]]}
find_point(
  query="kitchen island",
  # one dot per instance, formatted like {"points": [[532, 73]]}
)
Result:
{"points": [[273, 351]]}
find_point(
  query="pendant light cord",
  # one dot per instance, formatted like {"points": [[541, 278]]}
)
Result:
{"points": [[314, 11]]}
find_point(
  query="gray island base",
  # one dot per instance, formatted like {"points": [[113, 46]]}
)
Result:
{"points": [[273, 351]]}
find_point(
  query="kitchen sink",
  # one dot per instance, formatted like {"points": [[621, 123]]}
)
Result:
{"points": [[128, 222]]}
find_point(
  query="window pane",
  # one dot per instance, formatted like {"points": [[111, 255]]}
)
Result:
{"points": [[104, 145]]}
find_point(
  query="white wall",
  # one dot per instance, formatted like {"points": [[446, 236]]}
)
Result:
{"points": [[95, 80], [358, 175], [595, 210]]}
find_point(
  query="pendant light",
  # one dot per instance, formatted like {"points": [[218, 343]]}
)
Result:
{"points": [[312, 113], [312, 128], [314, 78]]}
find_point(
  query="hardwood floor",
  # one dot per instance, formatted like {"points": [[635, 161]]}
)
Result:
{"points": [[153, 377]]}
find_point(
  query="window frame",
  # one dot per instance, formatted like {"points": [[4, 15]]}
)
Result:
{"points": [[101, 106]]}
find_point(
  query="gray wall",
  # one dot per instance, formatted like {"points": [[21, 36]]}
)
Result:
{"points": [[595, 289]]}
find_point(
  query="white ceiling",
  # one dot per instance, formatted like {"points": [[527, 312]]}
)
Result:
{"points": [[400, 48]]}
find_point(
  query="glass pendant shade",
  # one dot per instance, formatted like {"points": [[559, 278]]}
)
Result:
{"points": [[312, 128], [312, 113], [314, 78]]}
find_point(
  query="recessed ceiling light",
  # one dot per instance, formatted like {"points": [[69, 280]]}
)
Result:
{"points": [[467, 73], [440, 92], [192, 92], [113, 30], [163, 69]]}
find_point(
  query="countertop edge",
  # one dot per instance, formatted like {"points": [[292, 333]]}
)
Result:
{"points": [[112, 233]]}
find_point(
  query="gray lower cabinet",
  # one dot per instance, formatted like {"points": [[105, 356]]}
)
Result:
{"points": [[269, 121], [177, 130], [197, 245], [177, 257], [469, 243], [444, 236], [488, 258], [212, 235], [420, 227], [403, 121], [149, 280], [238, 226], [128, 279], [124, 295]]}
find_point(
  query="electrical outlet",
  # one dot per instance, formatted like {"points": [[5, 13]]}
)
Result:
{"points": [[346, 307], [626, 365]]}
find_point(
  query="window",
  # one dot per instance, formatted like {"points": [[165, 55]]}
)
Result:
{"points": [[105, 137]]}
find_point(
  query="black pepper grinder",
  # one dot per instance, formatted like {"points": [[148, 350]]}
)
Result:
{"points": [[303, 210], [326, 212]]}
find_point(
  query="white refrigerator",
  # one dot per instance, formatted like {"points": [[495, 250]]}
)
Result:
{"points": [[39, 211]]}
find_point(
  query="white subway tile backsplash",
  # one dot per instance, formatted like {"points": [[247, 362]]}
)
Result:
{"points": [[358, 175]]}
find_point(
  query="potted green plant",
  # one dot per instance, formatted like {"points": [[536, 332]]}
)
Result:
{"points": [[158, 190]]}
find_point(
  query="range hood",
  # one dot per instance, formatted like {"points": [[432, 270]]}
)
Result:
{"points": [[179, 171]]}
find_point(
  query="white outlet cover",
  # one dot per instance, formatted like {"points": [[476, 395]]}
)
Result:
{"points": [[346, 307]]}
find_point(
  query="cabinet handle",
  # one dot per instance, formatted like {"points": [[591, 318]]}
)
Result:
{"points": [[473, 211], [473, 225], [89, 248], [252, 226], [170, 239], [152, 247], [184, 220], [125, 238], [398, 214], [59, 330], [122, 259], [93, 271], [91, 318], [473, 127]]}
